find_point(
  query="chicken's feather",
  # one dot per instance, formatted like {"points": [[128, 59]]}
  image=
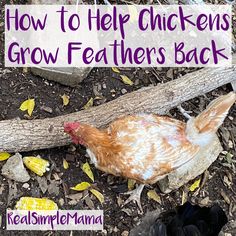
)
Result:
{"points": [[200, 130], [185, 220], [152, 146]]}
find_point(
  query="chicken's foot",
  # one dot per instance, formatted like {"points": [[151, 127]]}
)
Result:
{"points": [[135, 195], [184, 113]]}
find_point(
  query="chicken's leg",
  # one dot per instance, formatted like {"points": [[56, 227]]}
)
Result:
{"points": [[135, 195]]}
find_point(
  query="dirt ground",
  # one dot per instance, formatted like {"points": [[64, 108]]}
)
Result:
{"points": [[16, 86]]}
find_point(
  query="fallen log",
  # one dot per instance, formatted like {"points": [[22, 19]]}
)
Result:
{"points": [[25, 135]]}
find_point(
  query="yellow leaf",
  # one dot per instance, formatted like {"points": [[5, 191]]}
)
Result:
{"points": [[154, 196], [4, 156], [126, 80], [65, 100], [28, 105], [88, 104], [195, 185], [98, 195], [131, 183], [65, 164], [184, 198], [87, 170], [82, 186], [116, 70], [133, 13]]}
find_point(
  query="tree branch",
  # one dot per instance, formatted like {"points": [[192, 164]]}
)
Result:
{"points": [[24, 135]]}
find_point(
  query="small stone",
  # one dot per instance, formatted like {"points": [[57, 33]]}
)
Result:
{"points": [[204, 201], [170, 74], [57, 110], [46, 109], [96, 89], [72, 202], [104, 232], [136, 82], [125, 233], [230, 144], [25, 185], [123, 91], [104, 86], [113, 91], [99, 87], [61, 201], [115, 229], [14, 169]]}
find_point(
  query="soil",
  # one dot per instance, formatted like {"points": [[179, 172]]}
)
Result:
{"points": [[17, 85]]}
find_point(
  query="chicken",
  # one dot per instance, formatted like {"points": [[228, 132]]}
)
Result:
{"points": [[185, 220], [147, 147]]}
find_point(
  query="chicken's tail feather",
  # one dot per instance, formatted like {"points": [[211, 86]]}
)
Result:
{"points": [[201, 130], [213, 116]]}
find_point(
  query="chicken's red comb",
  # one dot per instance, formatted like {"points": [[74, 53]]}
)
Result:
{"points": [[71, 126]]}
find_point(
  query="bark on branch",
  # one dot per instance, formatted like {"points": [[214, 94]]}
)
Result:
{"points": [[23, 135]]}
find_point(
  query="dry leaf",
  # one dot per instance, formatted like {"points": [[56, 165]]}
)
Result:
{"points": [[42, 181], [28, 105], [2, 188], [4, 156], [119, 201], [126, 80], [98, 195], [53, 188], [87, 170], [195, 185], [227, 181], [82, 186], [225, 196], [65, 100], [76, 196], [228, 157], [154, 196], [65, 164], [89, 202], [88, 104], [115, 69], [131, 183]]}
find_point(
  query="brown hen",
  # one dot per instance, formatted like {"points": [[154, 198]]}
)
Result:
{"points": [[146, 147]]}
